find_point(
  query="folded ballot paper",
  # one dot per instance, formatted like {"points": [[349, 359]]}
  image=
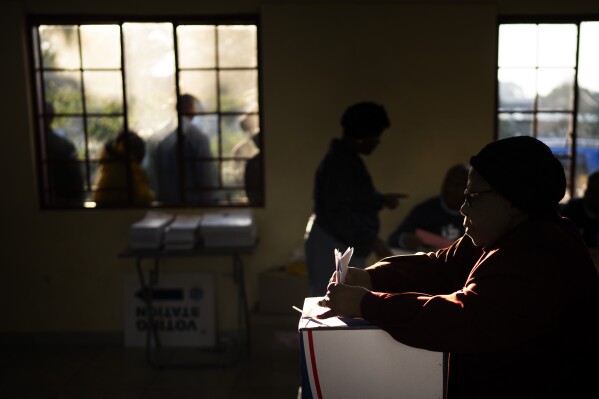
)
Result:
{"points": [[342, 263]]}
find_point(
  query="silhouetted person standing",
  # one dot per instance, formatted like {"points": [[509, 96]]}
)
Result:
{"points": [[194, 148], [346, 203], [65, 180]]}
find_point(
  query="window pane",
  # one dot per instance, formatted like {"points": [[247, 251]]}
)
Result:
{"points": [[71, 128], [239, 90], [553, 125], [101, 46], [60, 46], [202, 85], [103, 92], [588, 75], [517, 45], [101, 130], [150, 77], [556, 89], [196, 46], [237, 46], [516, 124], [517, 89], [230, 176], [63, 89], [557, 45], [94, 92]]}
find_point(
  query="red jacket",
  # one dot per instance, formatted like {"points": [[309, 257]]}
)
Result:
{"points": [[519, 319]]}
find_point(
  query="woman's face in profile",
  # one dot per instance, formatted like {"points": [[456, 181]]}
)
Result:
{"points": [[489, 215]]}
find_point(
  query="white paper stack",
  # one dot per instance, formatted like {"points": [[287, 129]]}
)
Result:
{"points": [[228, 229], [148, 233], [183, 232]]}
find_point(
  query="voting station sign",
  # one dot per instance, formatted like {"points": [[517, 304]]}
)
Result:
{"points": [[183, 310]]}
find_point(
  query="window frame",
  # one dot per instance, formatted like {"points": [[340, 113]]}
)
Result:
{"points": [[571, 157], [39, 115]]}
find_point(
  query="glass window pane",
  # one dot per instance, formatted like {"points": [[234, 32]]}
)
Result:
{"points": [[553, 125], [236, 142], [588, 149], [230, 196], [60, 46], [237, 46], [588, 75], [63, 89], [103, 92], [517, 45], [556, 88], [101, 46], [150, 78], [202, 85], [71, 128], [101, 130], [208, 124], [517, 89], [239, 90], [587, 126], [515, 124], [196, 46], [557, 45]]}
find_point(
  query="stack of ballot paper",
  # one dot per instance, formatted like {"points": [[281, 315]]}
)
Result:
{"points": [[342, 263], [183, 233], [148, 233], [228, 229]]}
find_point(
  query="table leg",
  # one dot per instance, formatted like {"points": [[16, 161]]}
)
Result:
{"points": [[243, 311]]}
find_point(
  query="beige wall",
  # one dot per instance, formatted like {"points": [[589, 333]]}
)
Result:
{"points": [[432, 66]]}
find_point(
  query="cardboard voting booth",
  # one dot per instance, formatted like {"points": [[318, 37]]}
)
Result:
{"points": [[350, 358]]}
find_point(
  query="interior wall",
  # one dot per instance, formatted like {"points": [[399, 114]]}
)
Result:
{"points": [[433, 67]]}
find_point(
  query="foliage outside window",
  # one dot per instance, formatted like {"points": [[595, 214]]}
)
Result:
{"points": [[127, 109], [548, 87]]}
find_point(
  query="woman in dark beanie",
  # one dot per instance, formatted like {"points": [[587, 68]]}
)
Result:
{"points": [[346, 203], [515, 301]]}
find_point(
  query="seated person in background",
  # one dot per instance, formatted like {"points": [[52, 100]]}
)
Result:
{"points": [[112, 180], [439, 215], [584, 212]]}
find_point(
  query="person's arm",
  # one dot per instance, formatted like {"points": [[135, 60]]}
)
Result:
{"points": [[503, 291]]}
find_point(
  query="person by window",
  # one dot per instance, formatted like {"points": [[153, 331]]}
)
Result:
{"points": [[65, 179], [198, 174], [117, 168], [439, 215], [515, 301]]}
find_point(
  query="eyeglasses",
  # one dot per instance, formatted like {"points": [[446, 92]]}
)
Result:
{"points": [[469, 197]]}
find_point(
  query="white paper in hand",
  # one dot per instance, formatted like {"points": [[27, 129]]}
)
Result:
{"points": [[342, 263]]}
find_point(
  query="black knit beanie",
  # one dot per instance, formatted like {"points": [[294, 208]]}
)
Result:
{"points": [[524, 171], [364, 119]]}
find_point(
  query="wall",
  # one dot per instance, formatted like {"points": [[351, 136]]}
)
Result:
{"points": [[433, 66]]}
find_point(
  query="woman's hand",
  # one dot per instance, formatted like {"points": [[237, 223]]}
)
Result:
{"points": [[354, 276], [342, 300]]}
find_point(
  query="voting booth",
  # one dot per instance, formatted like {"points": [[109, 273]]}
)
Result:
{"points": [[350, 358]]}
